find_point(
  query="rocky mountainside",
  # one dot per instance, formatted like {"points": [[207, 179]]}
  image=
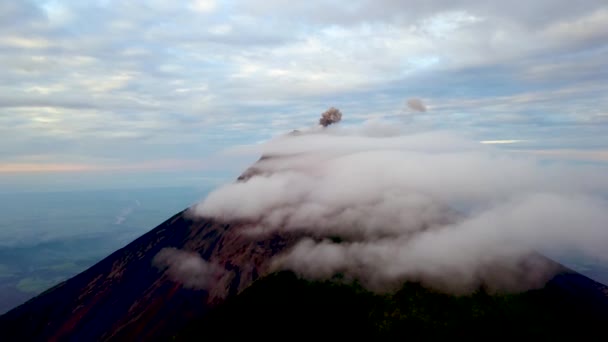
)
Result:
{"points": [[125, 297]]}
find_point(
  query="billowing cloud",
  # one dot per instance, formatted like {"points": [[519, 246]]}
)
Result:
{"points": [[432, 207], [187, 268], [330, 117]]}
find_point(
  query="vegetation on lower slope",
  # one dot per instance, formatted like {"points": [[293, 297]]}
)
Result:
{"points": [[282, 306]]}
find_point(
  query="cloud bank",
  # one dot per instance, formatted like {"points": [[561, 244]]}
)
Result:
{"points": [[216, 74], [384, 206], [187, 268]]}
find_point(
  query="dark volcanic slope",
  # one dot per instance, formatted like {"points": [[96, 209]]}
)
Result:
{"points": [[570, 305], [124, 297]]}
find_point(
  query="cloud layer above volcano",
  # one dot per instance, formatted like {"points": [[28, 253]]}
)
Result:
{"points": [[382, 206]]}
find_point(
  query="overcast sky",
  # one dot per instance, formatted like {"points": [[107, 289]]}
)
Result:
{"points": [[109, 91]]}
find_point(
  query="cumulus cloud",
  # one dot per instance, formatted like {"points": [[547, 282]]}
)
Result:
{"points": [[187, 268], [432, 207], [416, 105]]}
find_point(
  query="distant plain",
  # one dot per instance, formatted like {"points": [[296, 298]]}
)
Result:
{"points": [[47, 237]]}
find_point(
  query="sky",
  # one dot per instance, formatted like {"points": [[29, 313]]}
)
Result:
{"points": [[117, 93]]}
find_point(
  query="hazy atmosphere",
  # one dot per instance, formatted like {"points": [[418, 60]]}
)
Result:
{"points": [[426, 141]]}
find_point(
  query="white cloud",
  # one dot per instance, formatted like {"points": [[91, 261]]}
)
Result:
{"points": [[221, 29], [133, 69], [506, 141], [187, 268], [430, 207], [204, 6], [579, 30], [26, 43]]}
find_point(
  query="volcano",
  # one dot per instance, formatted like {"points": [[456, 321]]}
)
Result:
{"points": [[126, 297]]}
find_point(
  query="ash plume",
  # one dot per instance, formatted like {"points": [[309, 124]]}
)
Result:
{"points": [[430, 207], [330, 117], [416, 105]]}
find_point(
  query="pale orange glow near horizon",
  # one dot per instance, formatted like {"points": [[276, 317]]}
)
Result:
{"points": [[156, 165], [43, 167]]}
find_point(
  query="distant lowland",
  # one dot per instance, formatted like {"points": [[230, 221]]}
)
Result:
{"points": [[48, 237]]}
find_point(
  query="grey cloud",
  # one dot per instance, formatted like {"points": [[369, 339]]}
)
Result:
{"points": [[187, 268], [19, 13], [535, 14], [234, 61], [566, 70], [430, 207]]}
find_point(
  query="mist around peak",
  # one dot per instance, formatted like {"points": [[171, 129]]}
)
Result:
{"points": [[381, 204]]}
